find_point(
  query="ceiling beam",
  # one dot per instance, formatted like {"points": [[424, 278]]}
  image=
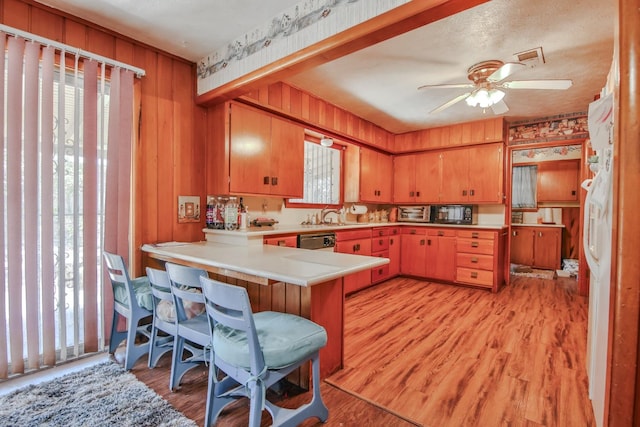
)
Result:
{"points": [[400, 20]]}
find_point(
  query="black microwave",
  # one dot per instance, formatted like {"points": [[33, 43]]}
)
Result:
{"points": [[454, 214]]}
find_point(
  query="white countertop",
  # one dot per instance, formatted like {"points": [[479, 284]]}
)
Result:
{"points": [[301, 267], [298, 228], [538, 225]]}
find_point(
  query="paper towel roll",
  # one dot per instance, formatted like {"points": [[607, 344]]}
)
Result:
{"points": [[358, 209], [547, 216]]}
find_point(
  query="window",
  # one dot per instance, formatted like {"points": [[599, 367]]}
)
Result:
{"points": [[322, 176], [523, 193]]}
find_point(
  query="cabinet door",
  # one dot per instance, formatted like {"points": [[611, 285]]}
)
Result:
{"points": [[287, 159], [486, 174], [455, 176], [375, 176], [362, 279], [547, 248], [441, 255], [558, 181], [288, 241], [522, 245], [428, 172], [413, 249], [394, 255], [250, 133], [404, 175]]}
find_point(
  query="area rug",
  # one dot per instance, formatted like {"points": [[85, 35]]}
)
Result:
{"points": [[101, 395], [536, 273]]}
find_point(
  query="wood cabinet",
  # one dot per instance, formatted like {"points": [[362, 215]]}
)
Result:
{"points": [[413, 251], [356, 242], [473, 175], [537, 247], [441, 254], [266, 154], [557, 181], [376, 175], [416, 178], [288, 240], [385, 243], [480, 258]]}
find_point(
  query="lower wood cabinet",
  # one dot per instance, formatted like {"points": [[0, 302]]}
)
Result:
{"points": [[289, 240], [538, 247], [385, 243], [441, 254], [480, 258], [356, 242], [413, 251]]}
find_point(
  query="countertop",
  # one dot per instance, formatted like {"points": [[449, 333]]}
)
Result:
{"points": [[298, 228], [301, 267], [538, 225]]}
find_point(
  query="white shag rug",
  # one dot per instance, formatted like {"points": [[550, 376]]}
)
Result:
{"points": [[101, 395]]}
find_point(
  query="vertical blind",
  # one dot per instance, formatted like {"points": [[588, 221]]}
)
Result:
{"points": [[65, 163]]}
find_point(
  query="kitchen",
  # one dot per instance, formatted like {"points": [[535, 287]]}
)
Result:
{"points": [[178, 135]]}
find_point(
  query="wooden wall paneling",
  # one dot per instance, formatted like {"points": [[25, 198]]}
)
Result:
{"points": [[329, 116], [263, 95], [445, 136], [46, 24], [147, 166], [16, 14], [101, 42], [435, 137], [275, 95], [455, 134], [571, 240], [286, 98], [466, 133], [295, 102], [253, 289], [314, 110], [167, 196], [306, 106], [266, 298], [75, 34], [124, 51], [278, 297], [477, 131]]}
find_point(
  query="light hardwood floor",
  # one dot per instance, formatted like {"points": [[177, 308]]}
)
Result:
{"points": [[443, 355]]}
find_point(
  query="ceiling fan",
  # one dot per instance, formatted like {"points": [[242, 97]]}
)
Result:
{"points": [[487, 87]]}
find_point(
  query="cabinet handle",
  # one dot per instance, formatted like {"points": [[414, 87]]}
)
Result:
{"points": [[515, 233], [391, 242], [380, 233], [474, 244], [474, 274], [282, 243], [429, 242], [274, 180], [573, 192], [422, 242], [474, 260], [440, 233], [540, 234], [380, 271], [380, 242], [464, 192], [413, 231], [265, 180], [472, 192], [417, 194], [474, 235], [411, 193]]}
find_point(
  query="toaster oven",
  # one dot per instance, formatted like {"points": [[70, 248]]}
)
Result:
{"points": [[414, 213]]}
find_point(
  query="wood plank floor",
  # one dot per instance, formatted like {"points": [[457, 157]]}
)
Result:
{"points": [[442, 355]]}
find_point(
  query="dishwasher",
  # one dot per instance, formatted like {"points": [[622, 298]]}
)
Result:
{"points": [[319, 241]]}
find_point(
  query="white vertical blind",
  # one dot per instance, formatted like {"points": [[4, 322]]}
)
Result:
{"points": [[54, 172]]}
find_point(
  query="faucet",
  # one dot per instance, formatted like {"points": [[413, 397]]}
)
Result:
{"points": [[325, 211]]}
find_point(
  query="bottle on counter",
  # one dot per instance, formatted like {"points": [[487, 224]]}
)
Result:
{"points": [[210, 215], [231, 214], [242, 215], [218, 217]]}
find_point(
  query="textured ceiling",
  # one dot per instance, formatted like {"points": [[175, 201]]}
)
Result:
{"points": [[380, 83]]}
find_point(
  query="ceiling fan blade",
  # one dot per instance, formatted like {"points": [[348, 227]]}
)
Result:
{"points": [[538, 84], [448, 86], [505, 71], [499, 107], [450, 103]]}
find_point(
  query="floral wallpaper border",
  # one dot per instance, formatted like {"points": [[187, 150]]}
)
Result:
{"points": [[565, 152], [300, 26], [553, 128]]}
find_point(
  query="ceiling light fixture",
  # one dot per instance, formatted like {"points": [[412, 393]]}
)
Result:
{"points": [[485, 98], [326, 141]]}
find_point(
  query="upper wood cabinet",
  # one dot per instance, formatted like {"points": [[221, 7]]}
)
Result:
{"points": [[416, 178], [558, 181], [266, 154], [376, 174], [473, 175]]}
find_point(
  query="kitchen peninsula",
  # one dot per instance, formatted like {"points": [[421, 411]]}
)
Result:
{"points": [[297, 281]]}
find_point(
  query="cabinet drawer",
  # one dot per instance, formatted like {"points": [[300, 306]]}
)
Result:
{"points": [[473, 234], [415, 230], [353, 234], [380, 231], [288, 241], [379, 274], [379, 243], [441, 233], [482, 262], [475, 246], [474, 277], [356, 247]]}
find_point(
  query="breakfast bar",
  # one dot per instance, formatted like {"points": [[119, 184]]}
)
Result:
{"points": [[298, 281]]}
